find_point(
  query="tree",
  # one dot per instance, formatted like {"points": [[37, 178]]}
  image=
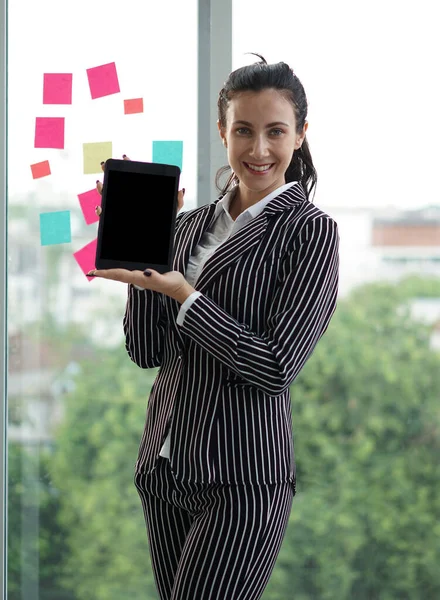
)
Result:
{"points": [[365, 523], [93, 469], [35, 552]]}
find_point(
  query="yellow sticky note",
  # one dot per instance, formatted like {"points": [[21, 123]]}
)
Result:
{"points": [[94, 154]]}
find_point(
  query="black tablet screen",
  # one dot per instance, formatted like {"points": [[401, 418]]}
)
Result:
{"points": [[137, 217]]}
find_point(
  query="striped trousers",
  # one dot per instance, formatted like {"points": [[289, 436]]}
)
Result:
{"points": [[212, 542]]}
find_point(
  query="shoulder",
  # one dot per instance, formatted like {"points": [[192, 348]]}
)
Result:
{"points": [[304, 222]]}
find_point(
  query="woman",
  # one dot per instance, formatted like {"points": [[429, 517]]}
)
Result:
{"points": [[253, 289]]}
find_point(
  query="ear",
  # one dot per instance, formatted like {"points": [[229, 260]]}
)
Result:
{"points": [[300, 137], [222, 133]]}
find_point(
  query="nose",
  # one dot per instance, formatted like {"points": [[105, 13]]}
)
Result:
{"points": [[260, 148]]}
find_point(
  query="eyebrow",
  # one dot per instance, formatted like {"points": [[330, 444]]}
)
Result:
{"points": [[269, 125]]}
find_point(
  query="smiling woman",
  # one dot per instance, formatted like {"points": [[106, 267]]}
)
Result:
{"points": [[253, 289]]}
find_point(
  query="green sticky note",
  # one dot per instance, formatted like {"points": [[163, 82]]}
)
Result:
{"points": [[94, 154], [168, 153], [55, 228]]}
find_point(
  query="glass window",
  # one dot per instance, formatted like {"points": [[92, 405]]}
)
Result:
{"points": [[364, 523], [76, 402]]}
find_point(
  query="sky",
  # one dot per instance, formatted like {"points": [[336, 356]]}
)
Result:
{"points": [[369, 70]]}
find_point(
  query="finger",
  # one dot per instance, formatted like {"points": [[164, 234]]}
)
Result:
{"points": [[180, 198], [98, 211], [103, 166], [125, 157], [122, 275], [99, 186]]}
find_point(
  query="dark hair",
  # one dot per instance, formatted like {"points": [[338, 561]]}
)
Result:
{"points": [[260, 76]]}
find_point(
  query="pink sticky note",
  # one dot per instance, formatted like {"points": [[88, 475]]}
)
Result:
{"points": [[135, 105], [57, 88], [49, 132], [86, 257], [103, 80], [41, 169], [88, 201]]}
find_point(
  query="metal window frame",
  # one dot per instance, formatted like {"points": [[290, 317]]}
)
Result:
{"points": [[214, 65], [3, 294]]}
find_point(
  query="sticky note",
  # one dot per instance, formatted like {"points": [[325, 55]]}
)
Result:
{"points": [[135, 105], [49, 132], [103, 80], [88, 201], [41, 169], [55, 228], [57, 88], [168, 153], [94, 154], [86, 257]]}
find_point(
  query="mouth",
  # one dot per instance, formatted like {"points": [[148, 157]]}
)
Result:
{"points": [[258, 169]]}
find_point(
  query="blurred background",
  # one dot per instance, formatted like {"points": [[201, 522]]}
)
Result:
{"points": [[365, 523]]}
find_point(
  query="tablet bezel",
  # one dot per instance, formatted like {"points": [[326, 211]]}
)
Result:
{"points": [[129, 166]]}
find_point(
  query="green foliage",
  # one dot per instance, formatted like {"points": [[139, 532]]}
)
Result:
{"points": [[366, 520], [36, 544], [365, 523], [93, 470]]}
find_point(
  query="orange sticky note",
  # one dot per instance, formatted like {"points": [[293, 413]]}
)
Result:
{"points": [[135, 105], [41, 169]]}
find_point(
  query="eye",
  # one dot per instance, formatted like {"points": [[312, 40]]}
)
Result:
{"points": [[243, 131], [276, 132]]}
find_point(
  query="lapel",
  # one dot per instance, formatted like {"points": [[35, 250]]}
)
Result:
{"points": [[195, 224], [248, 237]]}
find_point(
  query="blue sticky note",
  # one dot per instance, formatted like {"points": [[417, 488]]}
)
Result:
{"points": [[55, 228], [168, 153]]}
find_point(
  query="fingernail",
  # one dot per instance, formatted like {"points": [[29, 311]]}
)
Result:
{"points": [[91, 275], [183, 190], [103, 163], [124, 156], [96, 207], [97, 181], [147, 273]]}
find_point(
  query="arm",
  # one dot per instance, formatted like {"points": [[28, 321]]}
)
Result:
{"points": [[144, 324], [144, 327], [301, 311]]}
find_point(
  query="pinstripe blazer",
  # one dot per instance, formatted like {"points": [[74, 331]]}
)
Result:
{"points": [[268, 294]]}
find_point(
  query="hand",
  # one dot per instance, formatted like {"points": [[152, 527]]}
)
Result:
{"points": [[98, 210], [172, 284]]}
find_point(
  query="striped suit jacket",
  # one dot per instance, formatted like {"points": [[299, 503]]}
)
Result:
{"points": [[268, 294]]}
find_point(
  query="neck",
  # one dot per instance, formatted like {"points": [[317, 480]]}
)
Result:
{"points": [[244, 198]]}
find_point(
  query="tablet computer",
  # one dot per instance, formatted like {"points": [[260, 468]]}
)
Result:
{"points": [[139, 206]]}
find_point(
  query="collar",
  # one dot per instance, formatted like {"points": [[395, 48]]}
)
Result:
{"points": [[254, 210]]}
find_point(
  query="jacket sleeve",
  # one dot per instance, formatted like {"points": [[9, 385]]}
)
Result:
{"points": [[145, 323], [303, 305], [144, 327]]}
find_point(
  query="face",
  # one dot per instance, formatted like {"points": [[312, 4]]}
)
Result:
{"points": [[260, 137]]}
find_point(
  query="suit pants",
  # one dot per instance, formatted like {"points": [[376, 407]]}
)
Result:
{"points": [[212, 541]]}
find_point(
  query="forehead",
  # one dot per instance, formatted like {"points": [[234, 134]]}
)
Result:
{"points": [[267, 105]]}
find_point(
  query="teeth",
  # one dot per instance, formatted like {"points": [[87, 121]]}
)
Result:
{"points": [[256, 168]]}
